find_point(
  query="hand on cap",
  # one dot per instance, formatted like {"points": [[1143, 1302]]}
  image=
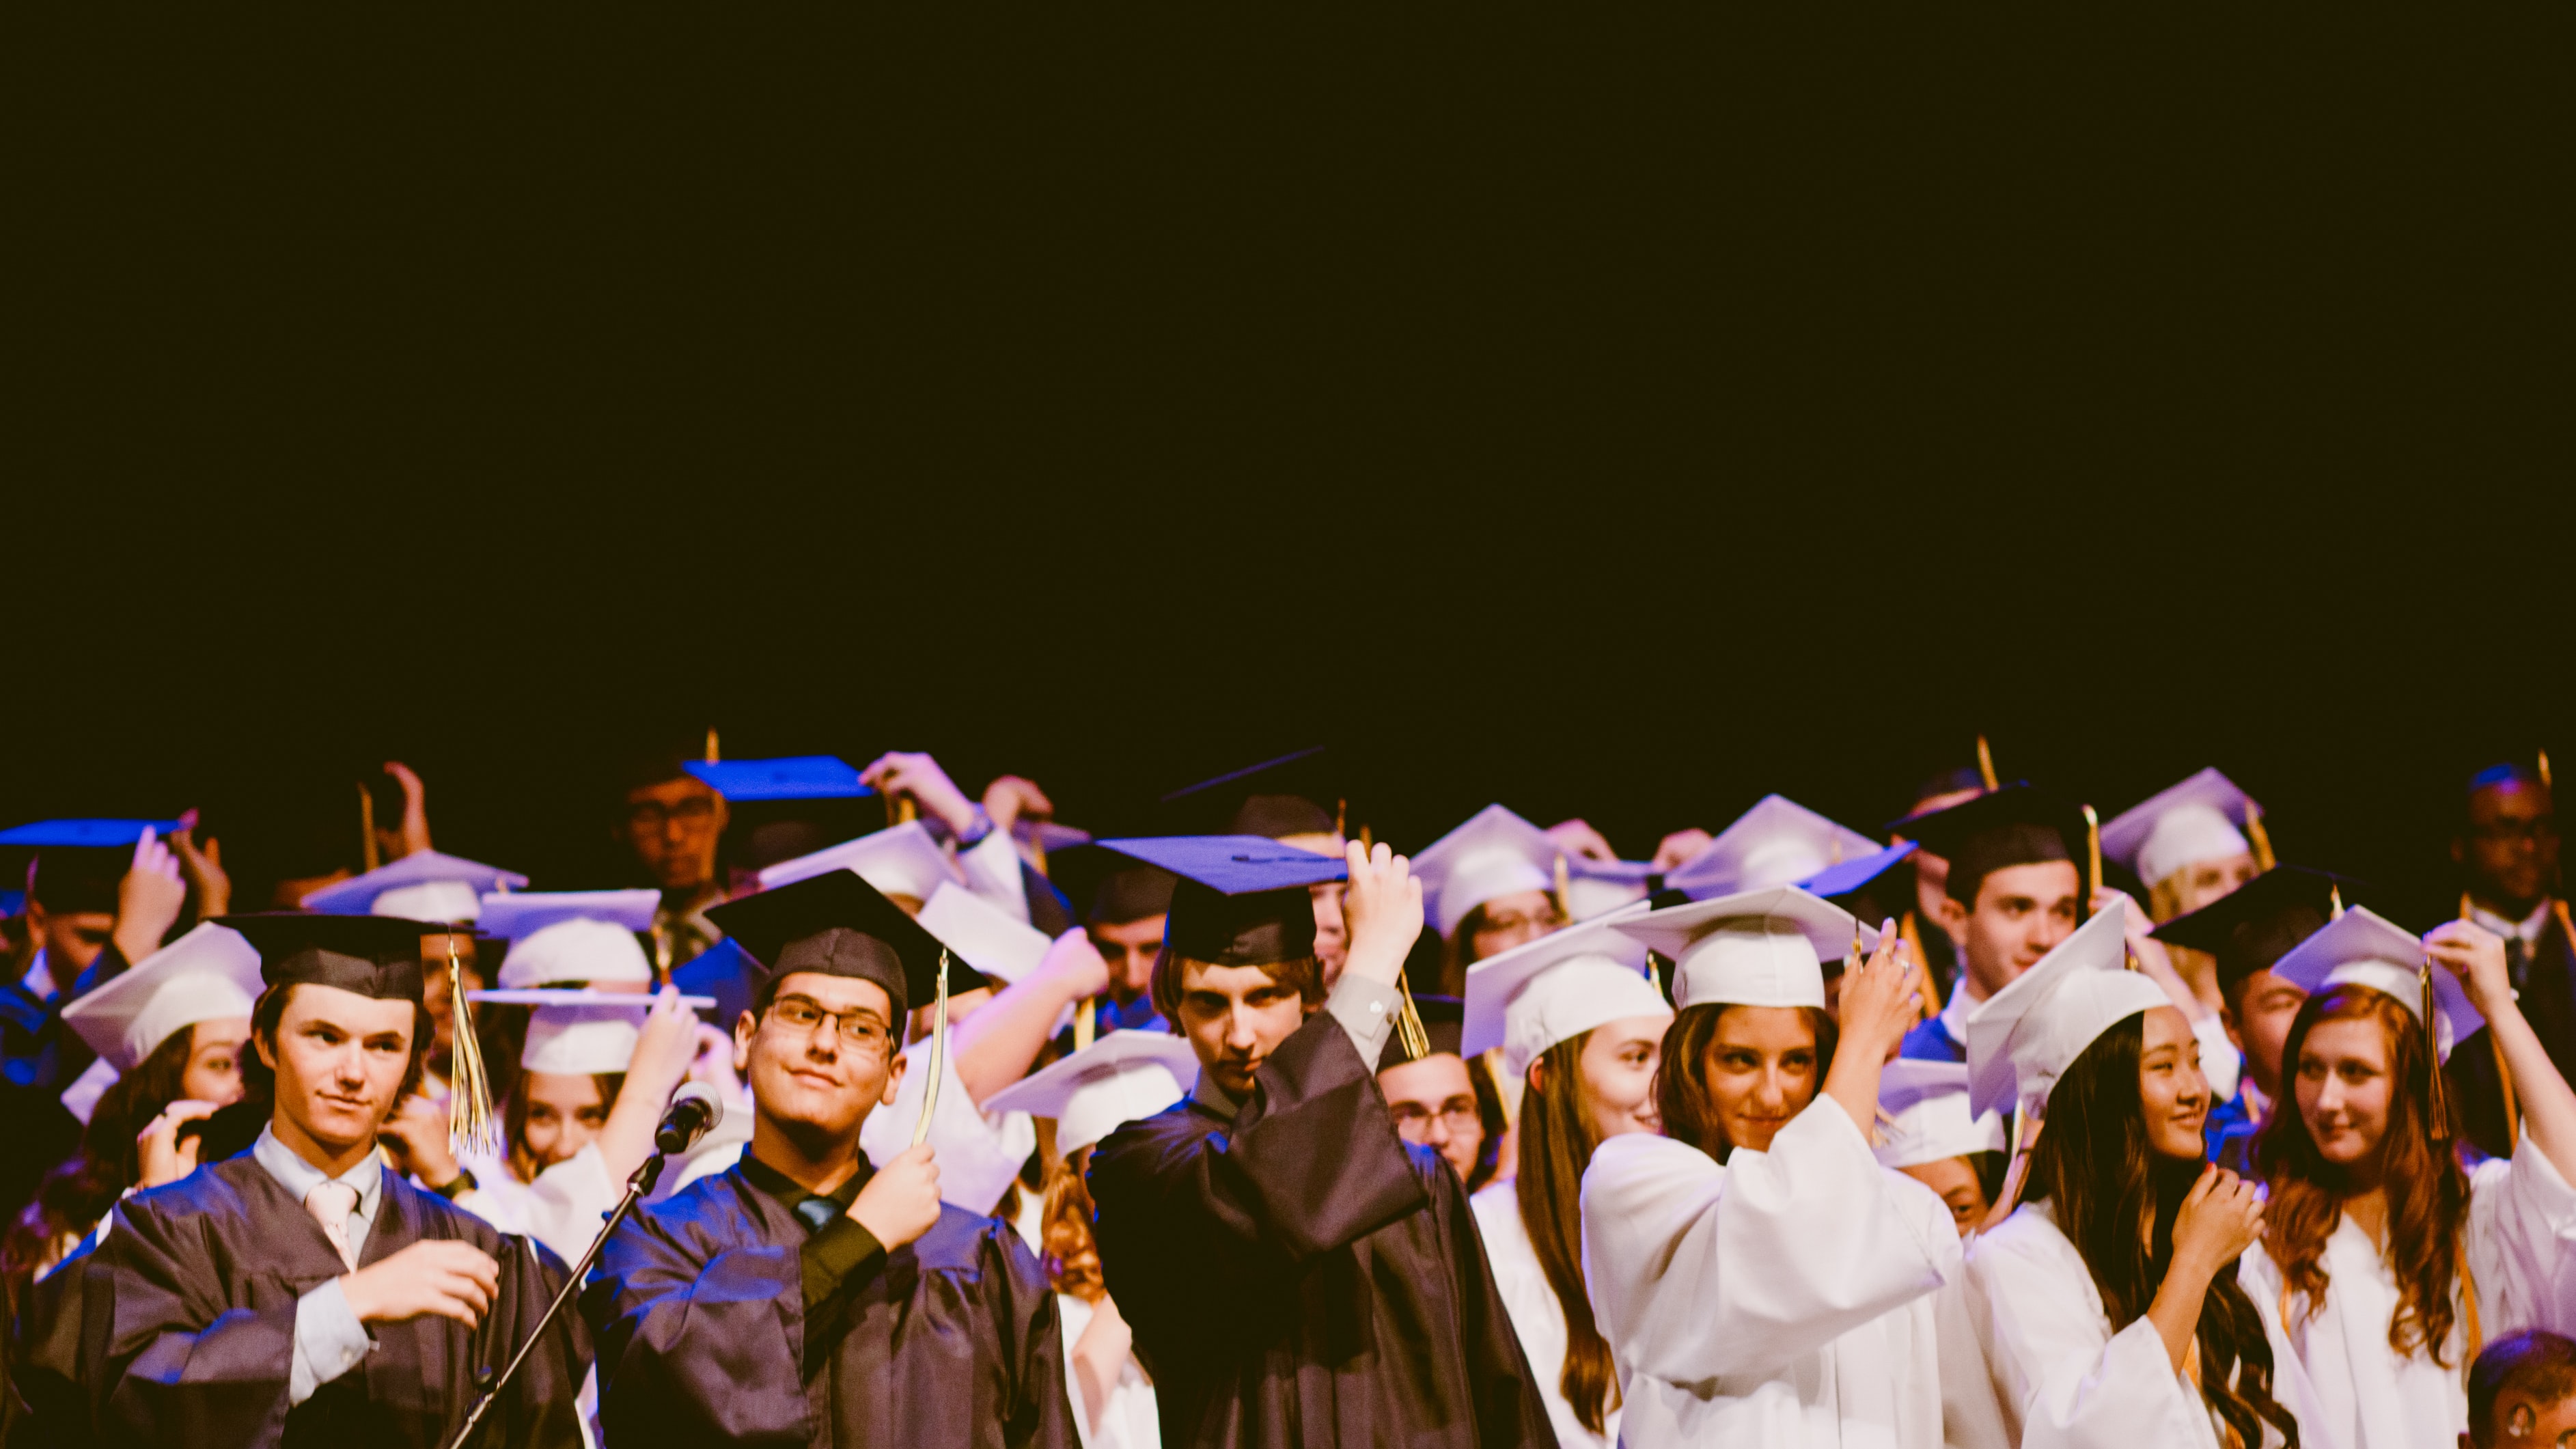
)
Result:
{"points": [[445, 1277], [149, 899], [665, 1048], [1577, 838], [2475, 955], [918, 777], [203, 868], [415, 816], [1010, 798], [1681, 848], [1882, 999], [1383, 906], [166, 1159], [901, 1202]]}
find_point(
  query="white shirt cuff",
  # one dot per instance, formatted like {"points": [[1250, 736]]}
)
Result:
{"points": [[1366, 1010], [329, 1341]]}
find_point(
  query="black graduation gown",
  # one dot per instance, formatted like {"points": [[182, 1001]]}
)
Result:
{"points": [[699, 1306], [1301, 1277], [2547, 986], [179, 1329]]}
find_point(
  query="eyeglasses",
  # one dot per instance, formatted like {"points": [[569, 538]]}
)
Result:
{"points": [[860, 1029], [697, 813], [1413, 1124]]}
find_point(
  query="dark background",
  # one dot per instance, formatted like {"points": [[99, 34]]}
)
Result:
{"points": [[1600, 410]]}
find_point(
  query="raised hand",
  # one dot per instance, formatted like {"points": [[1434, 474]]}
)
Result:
{"points": [[1383, 908], [203, 868], [917, 776], [1577, 838], [1010, 798], [2475, 955], [442, 1276], [415, 817], [2220, 1218], [149, 899], [166, 1156], [1882, 999], [901, 1202], [1681, 848]]}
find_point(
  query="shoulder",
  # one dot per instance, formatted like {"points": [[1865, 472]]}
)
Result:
{"points": [[703, 1207], [1931, 1041], [2029, 1236], [1497, 1206], [965, 1242], [1139, 1146], [1639, 1163], [216, 1189]]}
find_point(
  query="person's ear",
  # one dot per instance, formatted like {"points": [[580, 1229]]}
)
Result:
{"points": [[1953, 918], [723, 816], [894, 1079], [2459, 856], [1538, 1074], [743, 1027]]}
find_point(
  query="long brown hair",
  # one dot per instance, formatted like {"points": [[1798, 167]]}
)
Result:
{"points": [[2095, 1165], [1681, 1080], [1071, 1253], [1557, 1138], [2428, 1195]]}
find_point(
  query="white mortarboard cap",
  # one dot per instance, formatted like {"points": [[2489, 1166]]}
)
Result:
{"points": [[1754, 948], [422, 886], [990, 939], [209, 974], [516, 915], [1120, 1078], [1926, 1103], [1542, 992], [1496, 853], [583, 1040], [1595, 888], [2024, 1037], [899, 861], [2365, 948], [575, 949], [1777, 842], [2194, 821]]}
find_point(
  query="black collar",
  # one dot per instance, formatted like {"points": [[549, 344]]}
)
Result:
{"points": [[790, 1192]]}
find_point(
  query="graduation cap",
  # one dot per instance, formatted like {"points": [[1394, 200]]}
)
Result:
{"points": [[2367, 949], [2199, 819], [374, 956], [1297, 796], [1537, 994], [424, 886], [1840, 883], [787, 806], [84, 834], [2018, 824], [1441, 1018], [79, 863], [1777, 842], [2256, 924], [1595, 888], [209, 974], [1132, 893], [1924, 1115], [1121, 1078], [2024, 1037], [579, 1033], [787, 777], [1241, 900], [519, 914], [900, 860], [1494, 854], [576, 948], [1754, 948], [983, 935], [837, 924]]}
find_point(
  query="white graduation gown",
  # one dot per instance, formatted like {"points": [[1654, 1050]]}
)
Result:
{"points": [[1130, 1421], [2522, 1221], [1536, 1315], [2062, 1377], [1783, 1299], [562, 1209]]}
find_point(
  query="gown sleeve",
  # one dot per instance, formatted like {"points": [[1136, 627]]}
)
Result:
{"points": [[979, 1153], [2058, 1368], [2522, 1244], [175, 1363], [696, 1344], [1698, 1270]]}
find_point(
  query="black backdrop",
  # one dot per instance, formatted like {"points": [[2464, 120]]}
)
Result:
{"points": [[1610, 414]]}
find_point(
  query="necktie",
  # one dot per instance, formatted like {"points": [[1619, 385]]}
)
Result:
{"points": [[2517, 961], [816, 1213], [330, 1203]]}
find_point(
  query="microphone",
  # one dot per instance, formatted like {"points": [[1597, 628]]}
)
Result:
{"points": [[692, 1111]]}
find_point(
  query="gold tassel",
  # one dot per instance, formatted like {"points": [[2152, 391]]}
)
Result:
{"points": [[1408, 1023], [1564, 891], [938, 1056], [1086, 1021], [2092, 859], [2334, 902], [715, 756], [1367, 842], [471, 1124], [1037, 849], [1910, 931], [2544, 773], [1341, 819], [1986, 763], [367, 827], [2258, 837], [2438, 1103], [2504, 1074]]}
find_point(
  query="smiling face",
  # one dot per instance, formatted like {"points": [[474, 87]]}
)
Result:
{"points": [[1235, 1017], [1619, 1061], [564, 1112], [2344, 1087], [213, 1073], [2259, 1013], [2021, 912], [1515, 918], [2172, 1093], [813, 1081], [1433, 1102], [1762, 1071], [340, 1060]]}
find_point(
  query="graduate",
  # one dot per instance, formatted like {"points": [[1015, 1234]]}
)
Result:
{"points": [[2187, 845], [2107, 1303], [1490, 886], [1443, 1100], [1928, 1131], [301, 1292], [1760, 1278], [1124, 1076], [803, 1296], [2383, 1266], [2011, 892], [1126, 926], [1777, 842], [1576, 1019], [1294, 1273], [2243, 933]]}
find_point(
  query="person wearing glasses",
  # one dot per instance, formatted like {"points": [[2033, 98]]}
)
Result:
{"points": [[671, 821], [2507, 850], [1445, 1101], [802, 1296]]}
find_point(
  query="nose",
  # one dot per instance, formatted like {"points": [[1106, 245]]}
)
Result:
{"points": [[1238, 1031], [1772, 1093], [1438, 1135]]}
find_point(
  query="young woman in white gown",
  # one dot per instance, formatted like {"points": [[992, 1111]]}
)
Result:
{"points": [[2108, 1300], [2383, 1265], [1581, 1024], [1761, 1279]]}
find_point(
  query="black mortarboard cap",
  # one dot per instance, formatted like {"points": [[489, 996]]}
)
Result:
{"points": [[839, 925], [1241, 899], [2018, 824], [1299, 793], [374, 956], [1444, 1021], [1135, 893], [2257, 923]]}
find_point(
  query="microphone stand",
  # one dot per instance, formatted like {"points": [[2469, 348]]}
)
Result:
{"points": [[636, 1187]]}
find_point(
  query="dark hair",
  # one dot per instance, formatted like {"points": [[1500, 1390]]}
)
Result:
{"points": [[1557, 1140], [133, 1100], [260, 1080], [1681, 1080], [2095, 1165], [1305, 973], [2428, 1195], [1489, 1112], [2536, 1362], [2497, 776], [514, 1107]]}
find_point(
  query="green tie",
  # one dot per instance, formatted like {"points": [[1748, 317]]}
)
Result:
{"points": [[816, 1213]]}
